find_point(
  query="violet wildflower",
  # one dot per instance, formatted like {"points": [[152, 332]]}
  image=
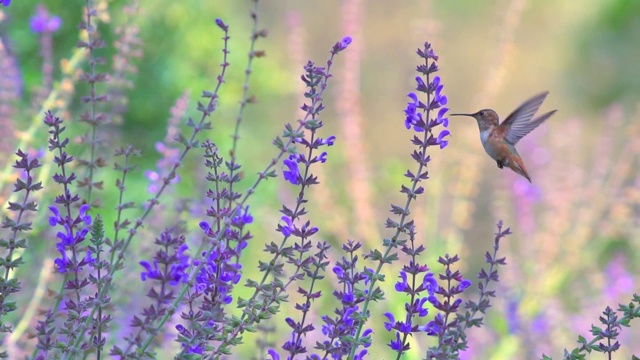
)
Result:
{"points": [[339, 331], [42, 22], [420, 286], [292, 173], [304, 264], [17, 227], [605, 339], [422, 117], [167, 271], [451, 331], [219, 269], [317, 267], [5, 2], [342, 44], [192, 315], [446, 323], [267, 296], [74, 255], [222, 25]]}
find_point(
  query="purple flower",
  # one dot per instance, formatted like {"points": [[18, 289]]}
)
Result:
{"points": [[441, 119], [411, 112], [464, 284], [222, 25], [342, 44], [288, 228], [5, 2], [42, 22], [274, 355], [443, 143], [328, 141], [392, 321], [242, 217], [292, 175]]}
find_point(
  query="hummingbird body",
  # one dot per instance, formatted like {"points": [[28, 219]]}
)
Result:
{"points": [[499, 139]]}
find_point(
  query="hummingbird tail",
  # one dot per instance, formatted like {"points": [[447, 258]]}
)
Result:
{"points": [[518, 167]]}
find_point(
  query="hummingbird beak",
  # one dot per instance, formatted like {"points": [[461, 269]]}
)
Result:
{"points": [[461, 115]]}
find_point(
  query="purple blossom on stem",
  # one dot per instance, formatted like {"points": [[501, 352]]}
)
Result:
{"points": [[5, 2], [74, 255], [422, 117], [339, 330], [17, 226], [219, 269], [292, 173], [605, 339], [420, 291], [222, 25], [221, 215], [342, 44], [304, 264], [42, 22], [451, 331], [268, 294], [168, 270]]}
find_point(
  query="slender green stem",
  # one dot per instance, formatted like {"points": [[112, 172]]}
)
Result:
{"points": [[92, 100], [245, 86]]}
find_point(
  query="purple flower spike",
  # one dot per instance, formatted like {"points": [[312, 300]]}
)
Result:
{"points": [[5, 2]]}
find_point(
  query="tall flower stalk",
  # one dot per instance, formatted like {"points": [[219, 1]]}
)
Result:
{"points": [[268, 295], [17, 226], [421, 117]]}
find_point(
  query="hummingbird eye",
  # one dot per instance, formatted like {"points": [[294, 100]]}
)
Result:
{"points": [[482, 113]]}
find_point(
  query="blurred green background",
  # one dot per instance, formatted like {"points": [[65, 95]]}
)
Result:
{"points": [[575, 242]]}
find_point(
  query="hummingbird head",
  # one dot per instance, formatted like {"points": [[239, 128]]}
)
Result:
{"points": [[485, 118]]}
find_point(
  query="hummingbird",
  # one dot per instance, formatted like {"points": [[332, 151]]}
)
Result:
{"points": [[499, 139]]}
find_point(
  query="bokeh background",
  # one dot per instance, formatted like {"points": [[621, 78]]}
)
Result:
{"points": [[575, 242]]}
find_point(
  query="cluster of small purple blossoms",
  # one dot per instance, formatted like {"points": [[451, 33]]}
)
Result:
{"points": [[416, 281], [292, 171], [341, 328], [435, 100], [218, 269], [415, 307], [297, 171], [168, 270], [75, 254], [451, 324], [219, 272], [75, 228], [174, 264], [69, 241], [42, 22]]}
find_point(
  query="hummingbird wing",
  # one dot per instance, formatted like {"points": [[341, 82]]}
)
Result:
{"points": [[518, 123]]}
